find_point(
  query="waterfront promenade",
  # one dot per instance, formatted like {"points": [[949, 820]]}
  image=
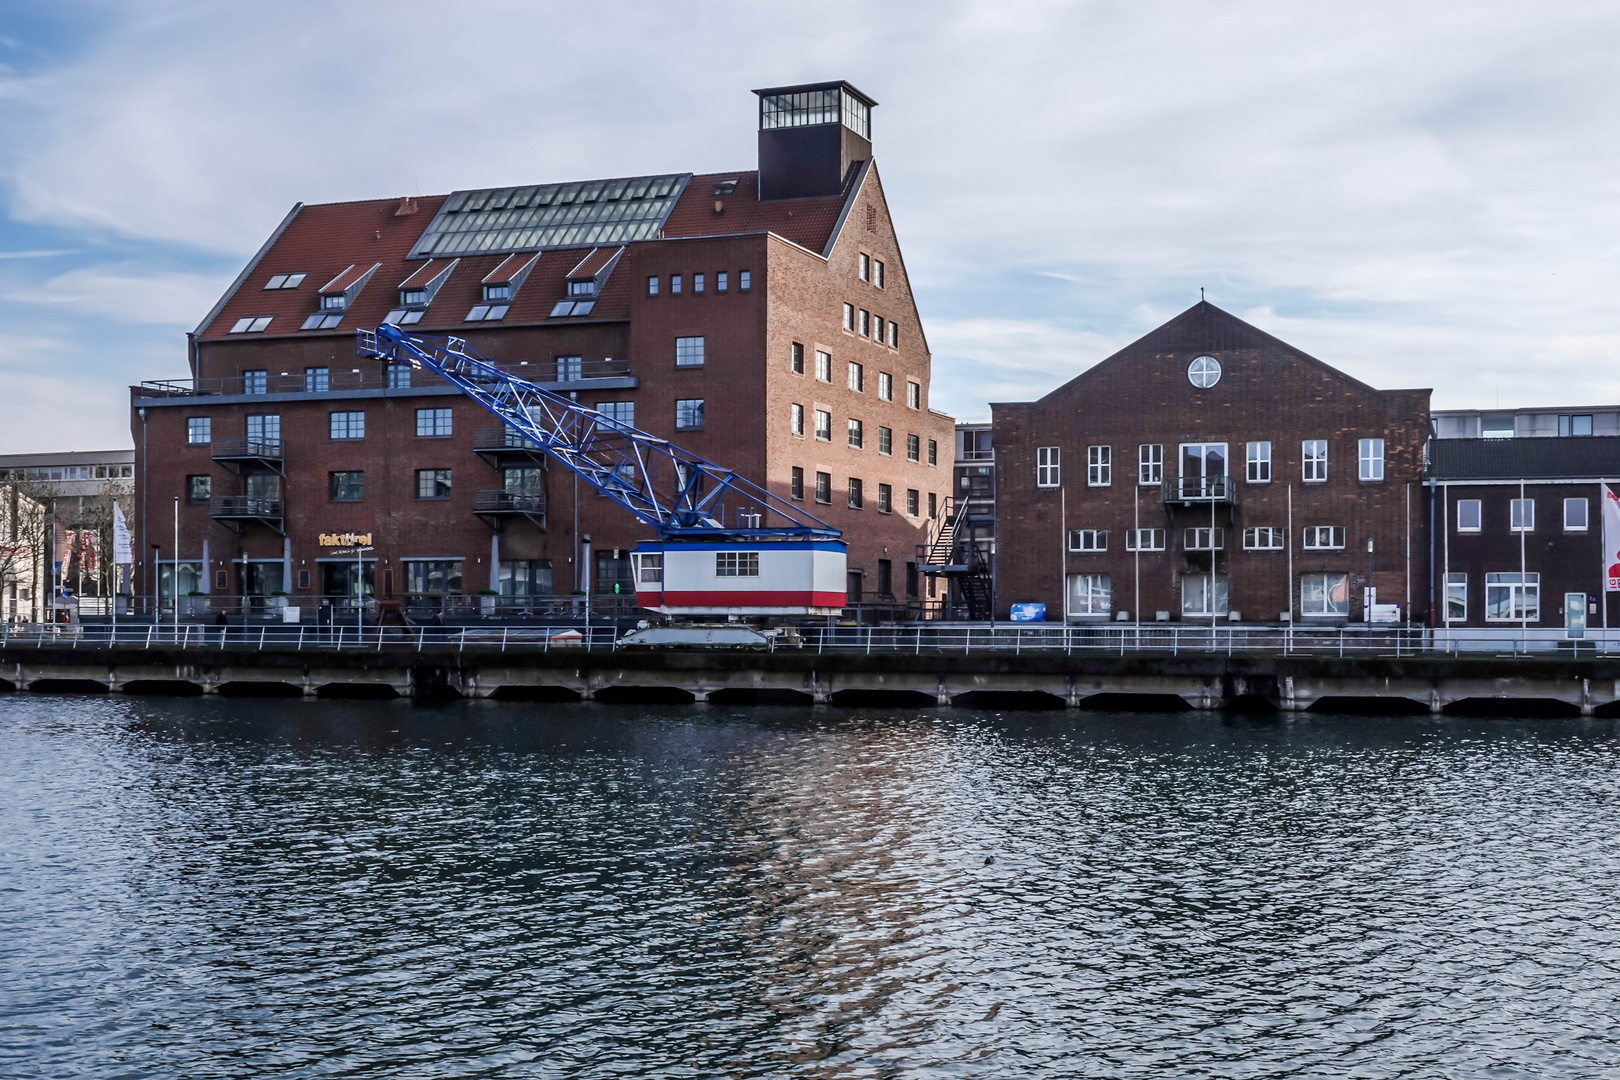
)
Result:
{"points": [[1001, 666]]}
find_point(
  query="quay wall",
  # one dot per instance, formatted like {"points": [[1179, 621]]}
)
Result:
{"points": [[1427, 683]]}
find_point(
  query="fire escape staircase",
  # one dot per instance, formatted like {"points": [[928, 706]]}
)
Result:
{"points": [[961, 562]]}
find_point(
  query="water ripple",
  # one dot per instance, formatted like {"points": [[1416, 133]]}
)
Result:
{"points": [[227, 889]]}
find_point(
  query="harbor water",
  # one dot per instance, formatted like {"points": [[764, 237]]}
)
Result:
{"points": [[230, 888]]}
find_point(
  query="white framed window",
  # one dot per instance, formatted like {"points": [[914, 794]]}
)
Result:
{"points": [[348, 425], [865, 267], [885, 440], [652, 285], [857, 377], [823, 366], [1263, 538], [199, 430], [849, 317], [1371, 456], [745, 280], [913, 395], [434, 423], [796, 418], [856, 500], [1456, 597], [1313, 460], [1099, 466], [856, 433], [1324, 538], [1468, 515], [1144, 539], [1203, 594], [864, 325], [1090, 594], [674, 284], [885, 386], [1047, 466], [1150, 463], [1324, 594], [796, 358], [1575, 515], [1203, 539], [1088, 539], [885, 499], [688, 352], [877, 272], [570, 368], [824, 425], [1512, 597], [913, 448], [1259, 463], [894, 334], [1522, 515], [736, 564], [721, 280]]}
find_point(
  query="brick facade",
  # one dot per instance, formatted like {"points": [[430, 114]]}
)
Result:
{"points": [[803, 261], [1267, 392]]}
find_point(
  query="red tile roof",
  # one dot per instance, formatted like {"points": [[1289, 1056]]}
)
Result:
{"points": [[337, 242]]}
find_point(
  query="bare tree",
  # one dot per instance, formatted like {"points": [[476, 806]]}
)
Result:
{"points": [[25, 538]]}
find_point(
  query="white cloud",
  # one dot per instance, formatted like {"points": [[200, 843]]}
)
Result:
{"points": [[1415, 193], [128, 295]]}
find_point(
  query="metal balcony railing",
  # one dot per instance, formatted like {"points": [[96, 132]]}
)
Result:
{"points": [[509, 502], [232, 448], [246, 506], [374, 377], [1190, 489], [501, 438]]}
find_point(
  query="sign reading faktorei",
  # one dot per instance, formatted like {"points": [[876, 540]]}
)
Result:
{"points": [[345, 539]]}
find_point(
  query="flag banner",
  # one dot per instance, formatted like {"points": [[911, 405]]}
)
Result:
{"points": [[1611, 540], [87, 551], [121, 545], [60, 543]]}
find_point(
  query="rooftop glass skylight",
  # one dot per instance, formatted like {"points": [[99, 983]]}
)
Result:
{"points": [[551, 216]]}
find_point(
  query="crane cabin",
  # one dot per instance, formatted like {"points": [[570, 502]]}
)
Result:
{"points": [[750, 578]]}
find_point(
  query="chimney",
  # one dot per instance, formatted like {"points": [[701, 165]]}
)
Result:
{"points": [[810, 137]]}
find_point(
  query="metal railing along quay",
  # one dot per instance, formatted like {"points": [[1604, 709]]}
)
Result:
{"points": [[915, 638]]}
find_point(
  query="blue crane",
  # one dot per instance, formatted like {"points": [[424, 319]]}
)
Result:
{"points": [[669, 489]]}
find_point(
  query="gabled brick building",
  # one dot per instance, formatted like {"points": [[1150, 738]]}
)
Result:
{"points": [[761, 318], [1210, 472]]}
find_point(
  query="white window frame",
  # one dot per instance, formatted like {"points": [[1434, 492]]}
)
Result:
{"points": [[1586, 519], [1523, 596], [885, 386], [1214, 588], [1522, 515], [1088, 596], [824, 425], [1327, 579], [1088, 540], [1370, 453], [688, 354], [823, 366], [1150, 464], [1479, 515], [1456, 594], [199, 430], [1257, 459], [1134, 539], [1313, 461], [1203, 538], [1099, 466], [913, 395], [1048, 466], [1264, 538], [736, 564], [857, 377], [796, 419], [1323, 538]]}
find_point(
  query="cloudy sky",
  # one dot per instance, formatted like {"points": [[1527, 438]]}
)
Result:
{"points": [[1424, 194]]}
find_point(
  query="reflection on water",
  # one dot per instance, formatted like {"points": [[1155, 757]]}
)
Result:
{"points": [[212, 888]]}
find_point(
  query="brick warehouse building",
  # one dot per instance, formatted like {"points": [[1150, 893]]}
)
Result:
{"points": [[762, 319], [1209, 471]]}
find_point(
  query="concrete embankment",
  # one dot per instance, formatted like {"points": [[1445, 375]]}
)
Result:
{"points": [[1584, 686]]}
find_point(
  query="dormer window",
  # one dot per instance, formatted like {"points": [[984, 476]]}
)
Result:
{"points": [[582, 288], [417, 291], [338, 295], [585, 281], [501, 285], [725, 187]]}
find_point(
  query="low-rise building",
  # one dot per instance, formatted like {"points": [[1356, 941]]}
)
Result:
{"points": [[77, 489], [25, 537], [1525, 533], [1209, 472]]}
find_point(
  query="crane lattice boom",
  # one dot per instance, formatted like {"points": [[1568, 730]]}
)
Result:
{"points": [[669, 489]]}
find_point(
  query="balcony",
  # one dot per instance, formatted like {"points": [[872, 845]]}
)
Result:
{"points": [[237, 511], [1188, 490], [247, 455], [503, 447], [496, 508], [554, 375]]}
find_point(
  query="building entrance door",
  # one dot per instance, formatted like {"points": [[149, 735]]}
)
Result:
{"points": [[1203, 470], [1575, 615]]}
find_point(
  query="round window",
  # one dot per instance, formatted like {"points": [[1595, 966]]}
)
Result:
{"points": [[1204, 372]]}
